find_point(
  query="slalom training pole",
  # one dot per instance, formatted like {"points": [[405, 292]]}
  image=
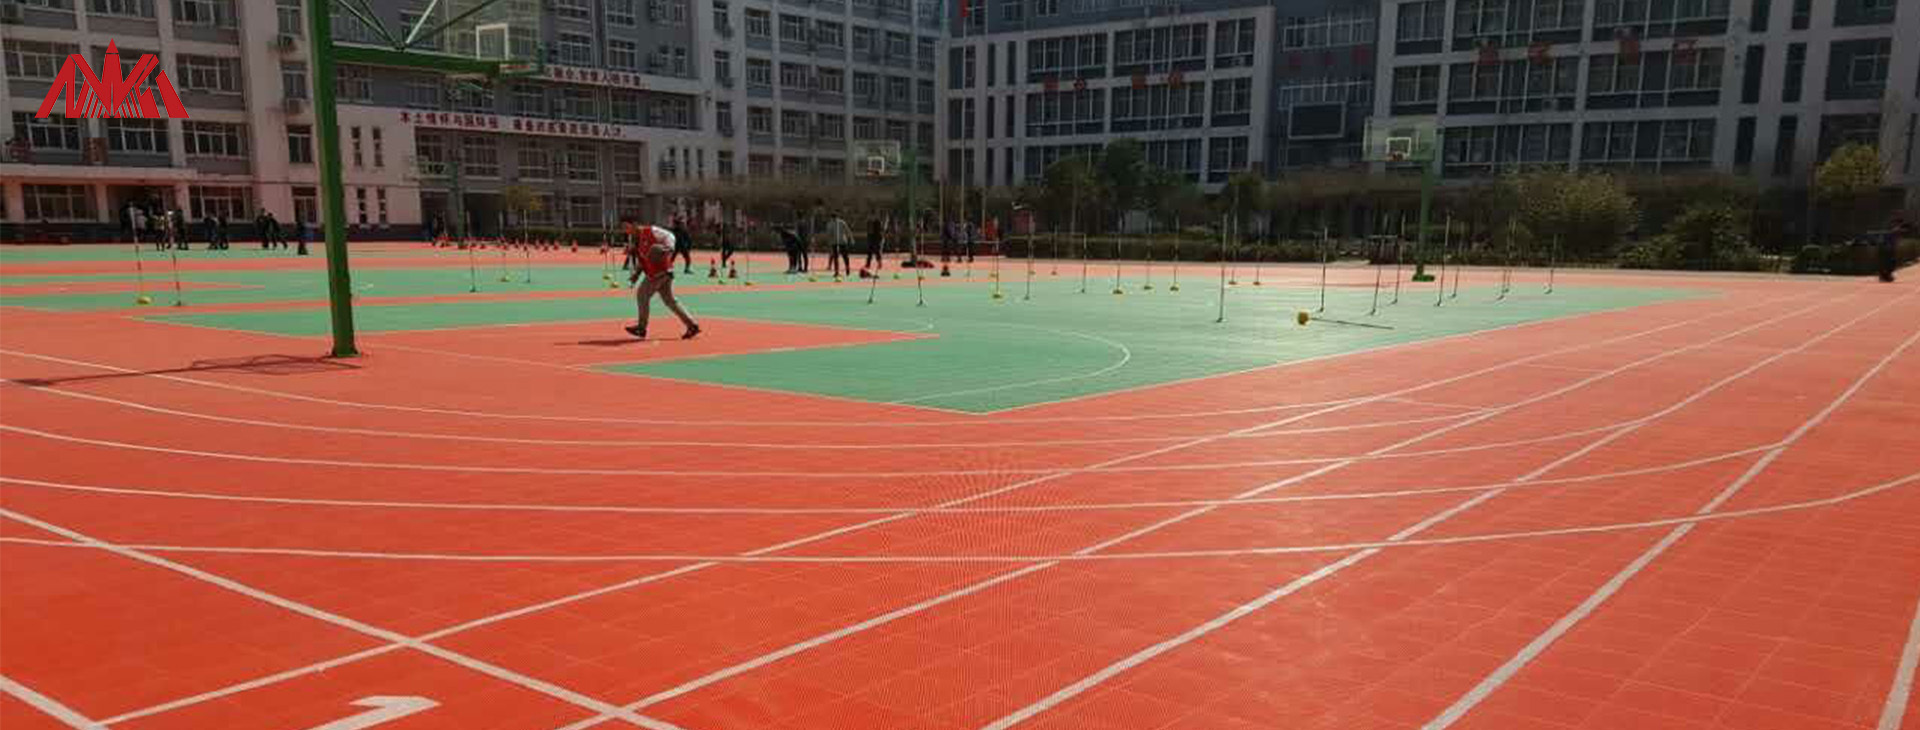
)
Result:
{"points": [[139, 273], [1053, 255], [1223, 273], [1323, 269], [174, 254], [1446, 238], [1116, 266], [1553, 260], [1399, 243], [1083, 263], [1028, 297], [1377, 270], [473, 272], [1148, 286], [1175, 286], [528, 250]]}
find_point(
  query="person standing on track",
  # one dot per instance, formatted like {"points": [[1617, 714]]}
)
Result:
{"points": [[729, 240], [837, 234], [656, 252], [876, 233], [682, 242]]}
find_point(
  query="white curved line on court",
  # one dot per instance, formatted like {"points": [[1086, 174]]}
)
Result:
{"points": [[1126, 356], [1465, 411], [1787, 507], [403, 466], [764, 511], [991, 420]]}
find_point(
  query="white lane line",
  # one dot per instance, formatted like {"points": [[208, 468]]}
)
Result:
{"points": [[1893, 714], [1126, 356], [777, 446], [994, 419], [1405, 535], [763, 552], [994, 509], [1493, 682], [1184, 516], [52, 707], [462, 660], [711, 560]]}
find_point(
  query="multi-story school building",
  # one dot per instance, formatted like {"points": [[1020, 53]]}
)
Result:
{"points": [[1760, 88], [641, 101]]}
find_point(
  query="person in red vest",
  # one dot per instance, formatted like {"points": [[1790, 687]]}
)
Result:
{"points": [[655, 253]]}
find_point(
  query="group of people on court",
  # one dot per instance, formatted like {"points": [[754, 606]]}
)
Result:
{"points": [[169, 229], [837, 237]]}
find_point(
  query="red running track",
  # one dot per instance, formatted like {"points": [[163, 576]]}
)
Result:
{"points": [[1696, 514]]}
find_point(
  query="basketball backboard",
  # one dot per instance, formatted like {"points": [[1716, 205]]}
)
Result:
{"points": [[1402, 140], [877, 158]]}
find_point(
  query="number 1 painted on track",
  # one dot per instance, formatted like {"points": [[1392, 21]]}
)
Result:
{"points": [[385, 709]]}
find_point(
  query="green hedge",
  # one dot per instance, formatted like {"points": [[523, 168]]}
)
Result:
{"points": [[1856, 259]]}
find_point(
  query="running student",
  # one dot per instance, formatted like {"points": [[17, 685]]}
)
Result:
{"points": [[656, 253]]}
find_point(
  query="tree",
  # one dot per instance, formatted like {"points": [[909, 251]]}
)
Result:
{"points": [[1849, 182], [523, 201], [1242, 197], [1067, 194], [1173, 198], [1123, 167], [1586, 213]]}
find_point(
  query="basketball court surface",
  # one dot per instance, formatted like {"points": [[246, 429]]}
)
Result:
{"points": [[1056, 495]]}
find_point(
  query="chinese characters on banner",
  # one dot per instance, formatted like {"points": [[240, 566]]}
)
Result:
{"points": [[596, 77], [496, 123]]}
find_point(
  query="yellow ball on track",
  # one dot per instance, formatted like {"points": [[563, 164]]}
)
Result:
{"points": [[1302, 317]]}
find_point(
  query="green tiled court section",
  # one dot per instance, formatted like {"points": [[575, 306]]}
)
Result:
{"points": [[988, 355], [311, 285]]}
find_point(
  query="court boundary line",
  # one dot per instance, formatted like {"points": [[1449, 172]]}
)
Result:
{"points": [[1541, 643], [1071, 691], [1295, 479], [478, 666], [1342, 404], [48, 706]]}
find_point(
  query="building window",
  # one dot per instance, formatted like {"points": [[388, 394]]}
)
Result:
{"points": [[57, 202], [626, 106], [306, 205], [722, 18], [360, 205], [300, 144], [866, 128], [623, 55], [290, 18], [533, 162], [723, 163], [829, 34], [423, 92], [1605, 75], [1869, 67], [759, 24], [379, 149], [354, 137], [571, 9], [1336, 28], [1796, 69], [210, 74], [293, 79], [673, 112], [793, 28], [216, 13], [126, 8], [863, 40], [354, 83], [759, 120], [759, 72], [1698, 70], [794, 124], [575, 49], [479, 156], [1233, 43], [1416, 84], [1422, 21], [137, 135], [52, 133], [529, 100], [213, 201], [1676, 140], [621, 12], [794, 77], [579, 104], [1069, 56], [215, 139], [583, 211], [37, 60], [832, 80], [380, 194], [629, 164], [832, 126]]}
